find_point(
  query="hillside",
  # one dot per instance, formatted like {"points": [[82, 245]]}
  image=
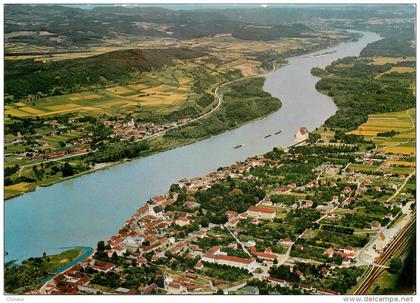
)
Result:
{"points": [[29, 77]]}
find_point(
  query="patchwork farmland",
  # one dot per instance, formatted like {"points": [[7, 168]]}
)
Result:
{"points": [[402, 123]]}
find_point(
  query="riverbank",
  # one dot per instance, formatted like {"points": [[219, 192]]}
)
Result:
{"points": [[128, 185], [20, 277], [161, 143]]}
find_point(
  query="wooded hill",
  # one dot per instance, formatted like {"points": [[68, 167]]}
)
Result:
{"points": [[26, 77]]}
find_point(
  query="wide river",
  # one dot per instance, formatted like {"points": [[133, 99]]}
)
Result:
{"points": [[84, 210]]}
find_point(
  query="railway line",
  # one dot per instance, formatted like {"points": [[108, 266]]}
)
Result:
{"points": [[397, 247]]}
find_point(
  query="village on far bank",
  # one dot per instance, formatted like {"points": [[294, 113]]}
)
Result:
{"points": [[310, 219]]}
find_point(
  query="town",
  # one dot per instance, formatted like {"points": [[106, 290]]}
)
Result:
{"points": [[259, 226]]}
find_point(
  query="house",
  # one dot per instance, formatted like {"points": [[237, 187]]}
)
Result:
{"points": [[267, 255], [305, 287], [287, 241], [243, 216], [191, 204], [231, 214], [348, 249], [119, 250], [325, 207], [376, 225], [141, 261], [199, 265], [276, 281], [325, 271], [300, 275], [176, 288], [182, 221], [255, 221], [299, 246], [147, 290], [347, 190], [389, 216], [249, 243], [201, 233], [302, 134], [158, 199], [346, 261], [232, 222], [214, 255], [309, 203], [101, 266], [329, 252], [261, 212], [191, 287]]}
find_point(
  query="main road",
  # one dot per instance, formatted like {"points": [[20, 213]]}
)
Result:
{"points": [[84, 210]]}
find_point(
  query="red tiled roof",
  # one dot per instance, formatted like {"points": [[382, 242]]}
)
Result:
{"points": [[276, 280], [183, 219], [118, 248], [265, 255], [233, 259], [262, 209]]}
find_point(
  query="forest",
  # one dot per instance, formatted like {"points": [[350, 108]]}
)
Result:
{"points": [[359, 89]]}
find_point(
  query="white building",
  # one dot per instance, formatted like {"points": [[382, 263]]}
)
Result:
{"points": [[302, 134], [214, 255]]}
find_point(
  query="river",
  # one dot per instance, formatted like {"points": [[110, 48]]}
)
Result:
{"points": [[84, 210]]}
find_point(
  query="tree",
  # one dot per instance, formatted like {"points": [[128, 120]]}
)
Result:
{"points": [[395, 266], [67, 170], [204, 222], [219, 292], [114, 258], [100, 246]]}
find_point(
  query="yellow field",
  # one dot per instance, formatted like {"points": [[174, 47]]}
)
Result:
{"points": [[31, 110], [184, 80], [19, 104], [401, 69], [67, 106], [398, 121], [159, 100], [16, 112], [406, 150], [138, 86], [401, 122], [118, 90], [22, 186], [398, 69], [120, 103], [392, 60], [84, 97]]}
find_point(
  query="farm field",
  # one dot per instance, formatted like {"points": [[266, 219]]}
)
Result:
{"points": [[154, 90], [403, 123], [390, 60]]}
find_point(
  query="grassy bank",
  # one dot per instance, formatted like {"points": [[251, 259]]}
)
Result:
{"points": [[33, 269]]}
